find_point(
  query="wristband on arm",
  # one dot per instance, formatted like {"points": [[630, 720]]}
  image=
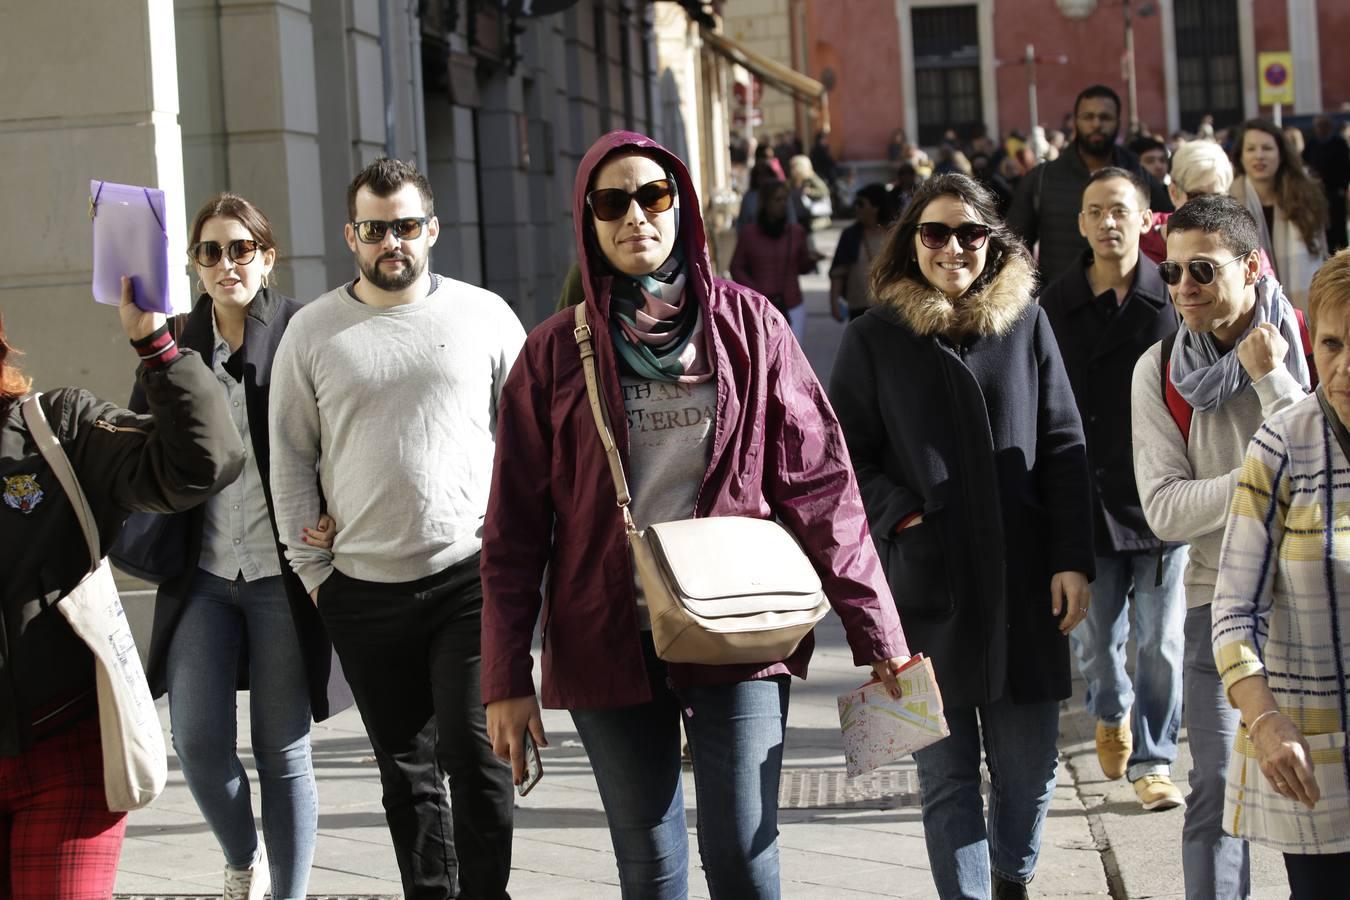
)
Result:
{"points": [[157, 349]]}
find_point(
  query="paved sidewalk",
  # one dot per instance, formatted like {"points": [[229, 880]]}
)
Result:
{"points": [[835, 844]]}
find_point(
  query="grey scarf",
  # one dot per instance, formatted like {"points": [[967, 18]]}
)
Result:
{"points": [[1206, 376]]}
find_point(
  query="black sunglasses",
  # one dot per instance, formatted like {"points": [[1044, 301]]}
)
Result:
{"points": [[207, 253], [970, 236], [609, 204], [1202, 270], [372, 231]]}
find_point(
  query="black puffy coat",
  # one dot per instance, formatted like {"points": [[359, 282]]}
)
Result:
{"points": [[183, 452]]}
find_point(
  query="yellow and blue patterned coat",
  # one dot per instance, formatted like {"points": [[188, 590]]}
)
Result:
{"points": [[1282, 611]]}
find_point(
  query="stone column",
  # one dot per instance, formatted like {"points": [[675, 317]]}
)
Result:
{"points": [[272, 126]]}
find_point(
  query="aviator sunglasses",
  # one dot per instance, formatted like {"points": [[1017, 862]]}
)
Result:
{"points": [[372, 231], [970, 236], [609, 204], [1202, 270], [208, 253]]}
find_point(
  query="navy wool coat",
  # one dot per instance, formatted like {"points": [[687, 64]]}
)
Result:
{"points": [[962, 411]]}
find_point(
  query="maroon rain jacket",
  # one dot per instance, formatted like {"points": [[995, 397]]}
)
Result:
{"points": [[777, 452]]}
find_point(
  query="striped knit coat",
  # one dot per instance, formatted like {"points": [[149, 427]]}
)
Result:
{"points": [[1282, 611]]}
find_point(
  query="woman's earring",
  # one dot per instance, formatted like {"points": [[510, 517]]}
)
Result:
{"points": [[201, 288]]}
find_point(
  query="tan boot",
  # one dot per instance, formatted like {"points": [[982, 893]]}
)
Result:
{"points": [[1114, 744], [1157, 792]]}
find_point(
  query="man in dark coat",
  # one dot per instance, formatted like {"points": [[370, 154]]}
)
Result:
{"points": [[1106, 312], [1045, 206], [1329, 156]]}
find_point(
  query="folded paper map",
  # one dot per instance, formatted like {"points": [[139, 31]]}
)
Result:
{"points": [[879, 729]]}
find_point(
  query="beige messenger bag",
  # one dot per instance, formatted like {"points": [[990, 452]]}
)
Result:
{"points": [[720, 590]]}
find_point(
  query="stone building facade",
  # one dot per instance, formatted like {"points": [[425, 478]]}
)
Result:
{"points": [[284, 100]]}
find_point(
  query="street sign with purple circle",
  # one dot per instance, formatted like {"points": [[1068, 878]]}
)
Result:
{"points": [[1276, 78]]}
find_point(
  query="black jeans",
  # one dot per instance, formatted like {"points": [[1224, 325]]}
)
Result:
{"points": [[1317, 876], [411, 655]]}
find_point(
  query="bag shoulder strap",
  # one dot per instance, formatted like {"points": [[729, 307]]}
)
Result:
{"points": [[1180, 410], [56, 457], [1306, 339], [583, 336]]}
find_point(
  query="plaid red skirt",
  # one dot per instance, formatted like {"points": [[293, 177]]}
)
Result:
{"points": [[57, 838]]}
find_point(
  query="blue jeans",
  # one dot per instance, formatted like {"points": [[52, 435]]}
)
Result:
{"points": [[736, 739], [219, 616], [1019, 742], [1159, 622], [1216, 865]]}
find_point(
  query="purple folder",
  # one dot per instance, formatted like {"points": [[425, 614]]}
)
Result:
{"points": [[130, 239]]}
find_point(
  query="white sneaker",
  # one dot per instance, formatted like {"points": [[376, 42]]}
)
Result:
{"points": [[251, 883]]}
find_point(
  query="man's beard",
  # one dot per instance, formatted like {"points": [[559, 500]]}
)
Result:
{"points": [[1098, 144], [398, 280]]}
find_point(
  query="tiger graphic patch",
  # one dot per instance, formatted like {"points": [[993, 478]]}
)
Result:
{"points": [[22, 492]]}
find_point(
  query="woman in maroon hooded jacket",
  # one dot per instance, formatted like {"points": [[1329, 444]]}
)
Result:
{"points": [[724, 417]]}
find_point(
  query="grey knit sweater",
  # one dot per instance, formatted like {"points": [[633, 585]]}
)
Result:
{"points": [[395, 409]]}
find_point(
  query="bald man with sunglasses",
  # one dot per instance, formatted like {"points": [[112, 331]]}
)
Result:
{"points": [[1236, 360]]}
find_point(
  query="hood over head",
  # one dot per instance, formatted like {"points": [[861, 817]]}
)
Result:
{"points": [[596, 272]]}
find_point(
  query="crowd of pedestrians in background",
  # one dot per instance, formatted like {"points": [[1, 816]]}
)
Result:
{"points": [[1085, 390]]}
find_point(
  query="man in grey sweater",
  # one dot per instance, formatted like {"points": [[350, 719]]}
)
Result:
{"points": [[387, 388], [1237, 361]]}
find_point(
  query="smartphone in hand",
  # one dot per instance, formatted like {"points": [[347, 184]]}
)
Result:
{"points": [[534, 770]]}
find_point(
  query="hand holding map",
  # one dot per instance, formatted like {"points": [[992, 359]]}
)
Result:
{"points": [[879, 729]]}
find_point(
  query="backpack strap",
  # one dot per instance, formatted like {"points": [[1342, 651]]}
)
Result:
{"points": [[1180, 410], [1306, 338]]}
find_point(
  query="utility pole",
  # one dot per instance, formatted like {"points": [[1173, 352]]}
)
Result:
{"points": [[1130, 86], [1031, 89], [1029, 59]]}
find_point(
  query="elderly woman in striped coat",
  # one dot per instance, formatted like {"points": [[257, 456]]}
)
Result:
{"points": [[1282, 617]]}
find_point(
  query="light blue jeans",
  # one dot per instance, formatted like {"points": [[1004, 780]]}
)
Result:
{"points": [[1019, 741], [218, 617], [736, 737], [1216, 865], [1100, 643]]}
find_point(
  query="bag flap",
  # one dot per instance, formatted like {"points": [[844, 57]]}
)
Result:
{"points": [[734, 556]]}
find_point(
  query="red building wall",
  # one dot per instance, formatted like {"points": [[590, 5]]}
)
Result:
{"points": [[1094, 48], [859, 41], [1333, 29]]}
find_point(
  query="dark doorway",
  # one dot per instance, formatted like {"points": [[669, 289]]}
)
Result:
{"points": [[946, 71], [1209, 62]]}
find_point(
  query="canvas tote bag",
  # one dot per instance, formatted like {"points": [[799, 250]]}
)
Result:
{"points": [[135, 764], [720, 590]]}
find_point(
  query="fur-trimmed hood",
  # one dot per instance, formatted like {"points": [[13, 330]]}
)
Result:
{"points": [[990, 311]]}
